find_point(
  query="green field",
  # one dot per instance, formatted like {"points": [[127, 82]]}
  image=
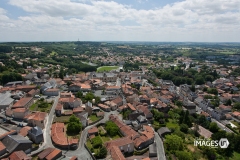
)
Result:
{"points": [[106, 68]]}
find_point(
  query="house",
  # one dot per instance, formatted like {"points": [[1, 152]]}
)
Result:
{"points": [[190, 106], [134, 115], [45, 153], [83, 116], [117, 102], [145, 110], [131, 107], [36, 134], [17, 143], [5, 100], [142, 120], [236, 114], [59, 109], [70, 102], [153, 150], [125, 144], [3, 149], [116, 153], [74, 87], [50, 84], [37, 119], [55, 154], [104, 107], [19, 113], [163, 131], [225, 109], [33, 92], [51, 92], [78, 110], [93, 131], [105, 77], [162, 107], [192, 96], [23, 103], [19, 155], [144, 99], [24, 131], [218, 114]]}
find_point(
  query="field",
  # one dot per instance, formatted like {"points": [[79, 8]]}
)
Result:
{"points": [[106, 68]]}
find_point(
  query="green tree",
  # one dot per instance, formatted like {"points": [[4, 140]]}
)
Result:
{"points": [[111, 128], [102, 153], [183, 155], [97, 142], [228, 103], [61, 73], [74, 125], [236, 105], [213, 127], [184, 128], [173, 142]]}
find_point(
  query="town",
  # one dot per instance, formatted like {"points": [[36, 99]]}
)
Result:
{"points": [[118, 101]]}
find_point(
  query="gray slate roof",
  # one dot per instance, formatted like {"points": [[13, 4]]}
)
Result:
{"points": [[163, 130], [36, 131], [13, 142]]}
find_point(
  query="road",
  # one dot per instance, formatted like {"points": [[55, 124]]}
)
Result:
{"points": [[160, 147], [222, 126]]}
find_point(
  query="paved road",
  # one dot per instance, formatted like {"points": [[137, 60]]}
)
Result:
{"points": [[160, 147], [222, 126]]}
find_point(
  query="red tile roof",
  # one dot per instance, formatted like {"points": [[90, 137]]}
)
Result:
{"points": [[37, 116], [53, 154], [58, 135], [19, 155], [19, 110], [93, 130], [24, 131], [52, 90], [59, 107], [131, 107], [118, 142], [2, 147], [74, 158], [116, 153], [22, 102], [45, 153]]}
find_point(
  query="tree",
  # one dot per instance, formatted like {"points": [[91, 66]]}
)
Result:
{"points": [[174, 142], [200, 80], [236, 105], [61, 73], [102, 153], [186, 119], [228, 103], [184, 128], [79, 94], [96, 142], [213, 127], [111, 128], [183, 155], [74, 125]]}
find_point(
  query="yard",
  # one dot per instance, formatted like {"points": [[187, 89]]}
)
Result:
{"points": [[41, 106], [172, 124], [106, 68], [61, 119], [93, 118]]}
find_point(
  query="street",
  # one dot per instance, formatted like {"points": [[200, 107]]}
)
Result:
{"points": [[160, 147]]}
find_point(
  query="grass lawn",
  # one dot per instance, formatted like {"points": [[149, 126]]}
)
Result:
{"points": [[47, 109], [115, 137], [235, 123], [172, 124], [236, 156], [89, 145], [106, 68], [105, 138], [32, 107], [61, 119], [94, 118]]}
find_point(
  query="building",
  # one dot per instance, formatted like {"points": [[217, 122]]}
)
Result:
{"points": [[36, 134], [153, 150], [5, 100], [125, 144], [23, 103], [37, 119], [45, 153], [55, 154], [19, 113], [105, 77], [17, 143], [163, 131], [3, 149], [19, 155], [51, 92]]}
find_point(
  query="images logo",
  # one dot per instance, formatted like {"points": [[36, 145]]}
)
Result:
{"points": [[222, 143]]}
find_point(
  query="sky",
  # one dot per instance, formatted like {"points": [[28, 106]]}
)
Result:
{"points": [[120, 20]]}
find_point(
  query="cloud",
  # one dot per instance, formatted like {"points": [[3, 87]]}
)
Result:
{"points": [[188, 19]]}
